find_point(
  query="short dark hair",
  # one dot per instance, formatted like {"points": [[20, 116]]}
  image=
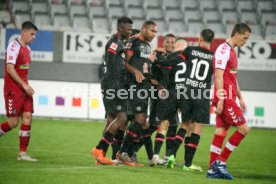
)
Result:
{"points": [[240, 28], [124, 20], [28, 25], [135, 31], [148, 23], [169, 35], [207, 35]]}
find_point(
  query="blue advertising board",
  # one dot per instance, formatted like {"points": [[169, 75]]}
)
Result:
{"points": [[42, 47]]}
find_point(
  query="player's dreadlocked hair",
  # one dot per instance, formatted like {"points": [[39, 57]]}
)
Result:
{"points": [[207, 35], [240, 28]]}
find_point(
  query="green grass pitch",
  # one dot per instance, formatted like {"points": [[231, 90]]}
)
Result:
{"points": [[63, 149]]}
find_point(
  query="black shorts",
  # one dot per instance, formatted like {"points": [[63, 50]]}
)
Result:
{"points": [[196, 110], [153, 119], [167, 108], [139, 99], [113, 104], [130, 115], [159, 114]]}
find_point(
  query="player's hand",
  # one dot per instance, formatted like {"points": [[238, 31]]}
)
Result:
{"points": [[219, 107], [139, 76], [242, 105], [160, 49], [29, 90], [152, 56], [162, 92]]}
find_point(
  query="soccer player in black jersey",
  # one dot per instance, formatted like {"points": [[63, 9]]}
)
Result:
{"points": [[138, 68], [112, 82], [161, 74], [192, 81]]}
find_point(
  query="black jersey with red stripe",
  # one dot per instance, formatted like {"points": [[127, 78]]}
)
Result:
{"points": [[115, 63], [140, 50], [161, 73], [192, 68]]}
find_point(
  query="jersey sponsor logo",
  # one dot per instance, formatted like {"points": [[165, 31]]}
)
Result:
{"points": [[143, 55], [219, 62], [10, 57], [114, 46], [128, 45], [25, 66], [233, 70]]}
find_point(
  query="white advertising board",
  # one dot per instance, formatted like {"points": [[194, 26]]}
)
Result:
{"points": [[84, 101], [83, 47]]}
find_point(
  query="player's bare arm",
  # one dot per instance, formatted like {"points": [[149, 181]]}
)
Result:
{"points": [[138, 75], [161, 89], [11, 71], [220, 91], [152, 56]]}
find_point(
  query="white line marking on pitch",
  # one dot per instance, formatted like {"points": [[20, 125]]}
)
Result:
{"points": [[48, 151]]}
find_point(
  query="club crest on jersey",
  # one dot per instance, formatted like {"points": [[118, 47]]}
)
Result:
{"points": [[114, 46], [128, 45]]}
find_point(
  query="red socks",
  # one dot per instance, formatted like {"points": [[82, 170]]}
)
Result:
{"points": [[230, 146], [24, 137], [4, 128], [215, 148]]}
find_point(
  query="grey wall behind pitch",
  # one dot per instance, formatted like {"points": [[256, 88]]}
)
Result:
{"points": [[58, 71], [74, 72]]}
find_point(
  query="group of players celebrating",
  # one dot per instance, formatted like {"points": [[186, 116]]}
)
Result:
{"points": [[178, 77]]}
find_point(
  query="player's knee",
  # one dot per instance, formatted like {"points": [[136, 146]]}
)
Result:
{"points": [[27, 119], [164, 125], [186, 126], [13, 122], [244, 130], [141, 120], [221, 131], [122, 119]]}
